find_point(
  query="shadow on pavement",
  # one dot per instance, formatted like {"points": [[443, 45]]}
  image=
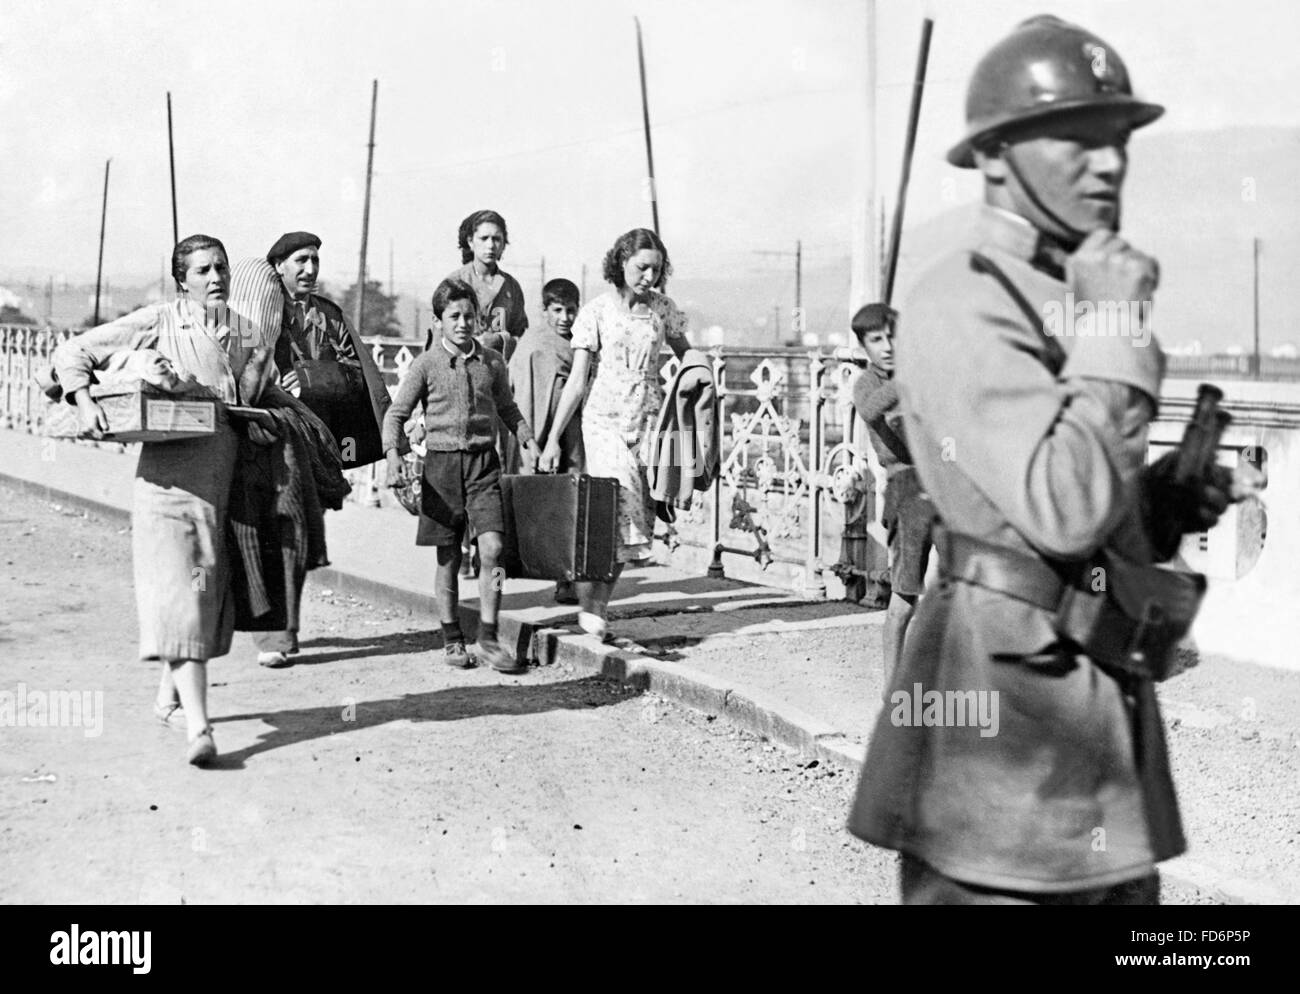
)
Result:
{"points": [[292, 727], [390, 644]]}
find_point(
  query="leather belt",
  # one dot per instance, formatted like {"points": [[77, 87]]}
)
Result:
{"points": [[1136, 642], [994, 567]]}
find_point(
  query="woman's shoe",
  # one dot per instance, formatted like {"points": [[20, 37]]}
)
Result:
{"points": [[171, 714], [272, 660], [203, 749]]}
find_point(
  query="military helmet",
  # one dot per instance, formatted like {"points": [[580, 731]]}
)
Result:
{"points": [[1045, 68]]}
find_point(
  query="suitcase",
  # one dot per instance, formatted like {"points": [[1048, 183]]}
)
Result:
{"points": [[560, 527]]}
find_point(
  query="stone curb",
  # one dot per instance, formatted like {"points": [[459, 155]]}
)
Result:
{"points": [[54, 495], [751, 709]]}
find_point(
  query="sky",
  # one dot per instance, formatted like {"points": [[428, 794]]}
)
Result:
{"points": [[532, 109]]}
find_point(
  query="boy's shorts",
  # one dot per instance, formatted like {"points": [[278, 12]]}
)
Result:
{"points": [[459, 488], [908, 517]]}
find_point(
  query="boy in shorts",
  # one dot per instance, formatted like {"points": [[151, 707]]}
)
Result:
{"points": [[463, 388], [908, 515]]}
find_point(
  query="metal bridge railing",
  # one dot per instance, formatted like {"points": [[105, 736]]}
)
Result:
{"points": [[794, 459]]}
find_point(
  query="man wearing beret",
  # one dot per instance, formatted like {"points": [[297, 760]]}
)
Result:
{"points": [[908, 515], [1020, 757], [322, 361]]}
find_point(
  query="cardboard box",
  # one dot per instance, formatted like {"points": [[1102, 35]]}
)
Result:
{"points": [[139, 415]]}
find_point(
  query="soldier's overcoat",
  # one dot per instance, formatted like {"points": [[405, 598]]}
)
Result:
{"points": [[1035, 442]]}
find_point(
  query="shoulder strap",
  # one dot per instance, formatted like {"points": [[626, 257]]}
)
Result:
{"points": [[983, 264]]}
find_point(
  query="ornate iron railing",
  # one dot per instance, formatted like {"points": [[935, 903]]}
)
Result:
{"points": [[792, 452], [795, 462]]}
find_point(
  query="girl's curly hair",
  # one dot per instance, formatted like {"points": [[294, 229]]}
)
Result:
{"points": [[628, 245], [470, 225]]}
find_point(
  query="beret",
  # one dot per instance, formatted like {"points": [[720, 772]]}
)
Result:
{"points": [[873, 316], [287, 245]]}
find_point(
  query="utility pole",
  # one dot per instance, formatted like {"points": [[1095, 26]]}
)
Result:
{"points": [[365, 211], [865, 273], [171, 159], [798, 285], [799, 323], [584, 282], [543, 289], [645, 123], [49, 302], [1258, 370], [391, 292], [103, 218]]}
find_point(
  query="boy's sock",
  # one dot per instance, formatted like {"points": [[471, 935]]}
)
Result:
{"points": [[451, 633], [487, 631]]}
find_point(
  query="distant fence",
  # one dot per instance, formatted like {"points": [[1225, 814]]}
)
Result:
{"points": [[1234, 367]]}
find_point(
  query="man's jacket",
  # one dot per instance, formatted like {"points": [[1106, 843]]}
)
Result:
{"points": [[362, 418], [1037, 444]]}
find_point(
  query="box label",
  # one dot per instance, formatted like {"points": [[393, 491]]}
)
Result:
{"points": [[179, 415]]}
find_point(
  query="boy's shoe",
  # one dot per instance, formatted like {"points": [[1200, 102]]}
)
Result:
{"points": [[594, 624], [491, 652], [454, 655]]}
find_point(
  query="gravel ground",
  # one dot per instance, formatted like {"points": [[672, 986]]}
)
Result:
{"points": [[471, 786], [368, 772], [1233, 732]]}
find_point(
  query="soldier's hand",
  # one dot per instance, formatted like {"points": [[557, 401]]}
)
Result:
{"points": [[1106, 268], [1186, 508]]}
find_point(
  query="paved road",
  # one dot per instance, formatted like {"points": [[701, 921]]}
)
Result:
{"points": [[369, 772]]}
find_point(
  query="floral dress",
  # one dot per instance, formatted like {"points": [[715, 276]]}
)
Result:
{"points": [[622, 402]]}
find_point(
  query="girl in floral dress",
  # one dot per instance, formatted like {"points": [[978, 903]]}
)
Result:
{"points": [[620, 334]]}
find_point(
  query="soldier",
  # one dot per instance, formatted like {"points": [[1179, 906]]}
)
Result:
{"points": [[1011, 766]]}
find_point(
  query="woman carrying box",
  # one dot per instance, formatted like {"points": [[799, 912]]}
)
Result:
{"points": [[178, 515]]}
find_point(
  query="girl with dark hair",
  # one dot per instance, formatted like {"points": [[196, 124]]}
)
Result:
{"points": [[502, 317], [621, 334], [181, 490]]}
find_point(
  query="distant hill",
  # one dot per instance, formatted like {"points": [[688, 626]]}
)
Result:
{"points": [[1188, 202]]}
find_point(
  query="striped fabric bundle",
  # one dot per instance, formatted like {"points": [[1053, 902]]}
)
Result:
{"points": [[256, 302], [255, 310]]}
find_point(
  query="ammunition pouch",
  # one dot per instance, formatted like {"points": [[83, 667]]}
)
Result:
{"points": [[1129, 626]]}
